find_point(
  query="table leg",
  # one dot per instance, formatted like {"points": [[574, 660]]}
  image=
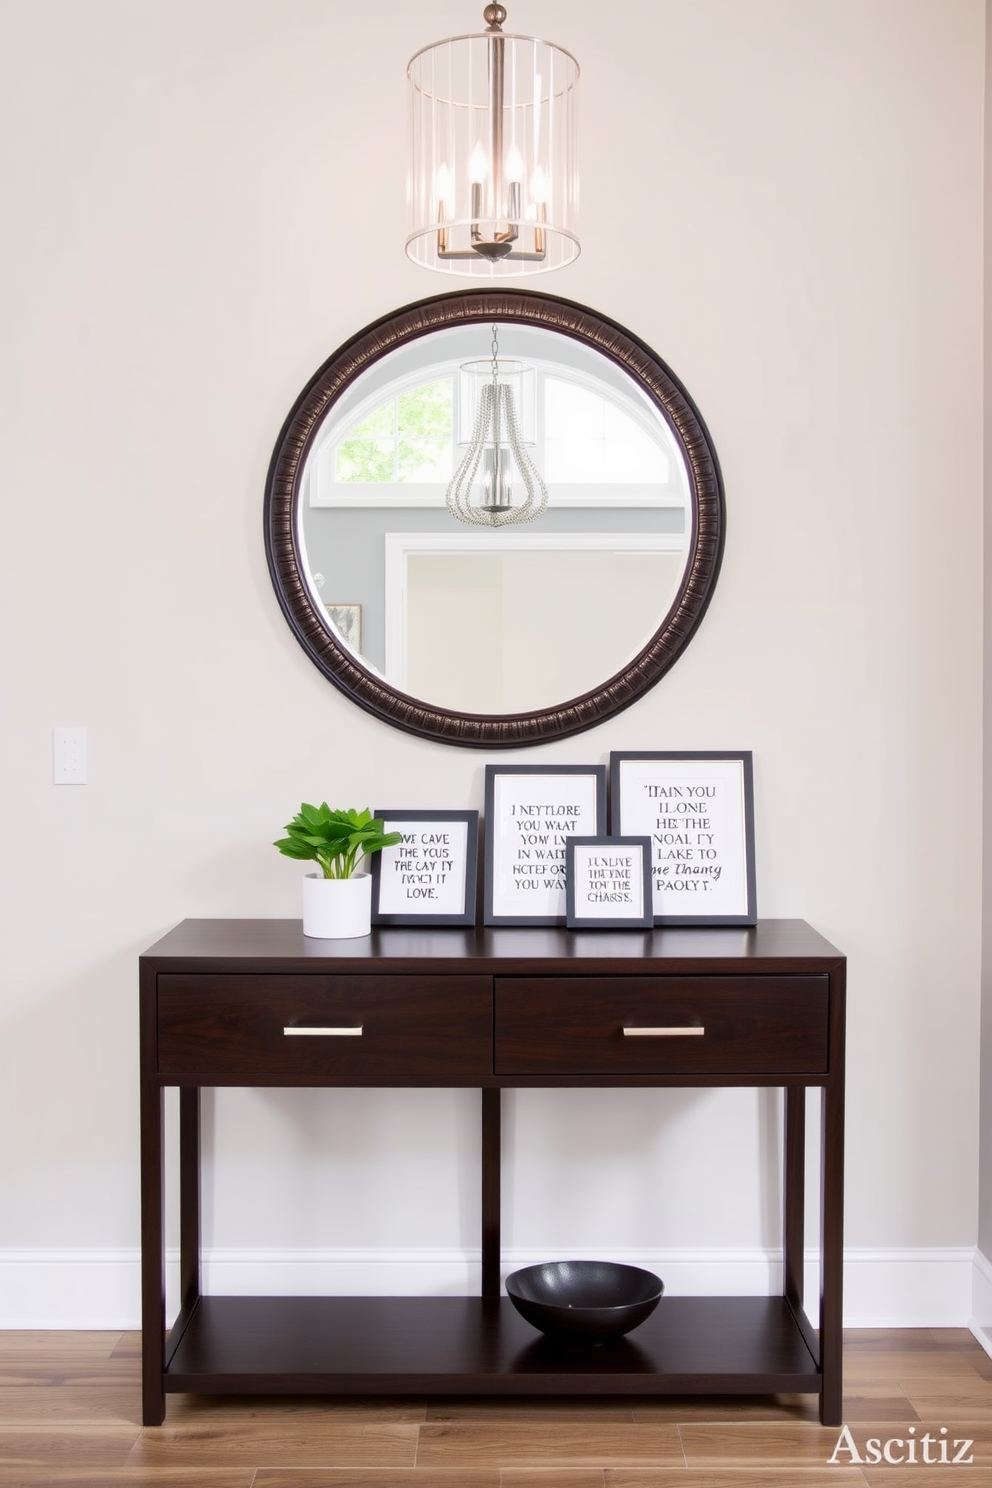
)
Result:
{"points": [[795, 1194], [152, 1255], [832, 1254], [189, 1195], [491, 1111]]}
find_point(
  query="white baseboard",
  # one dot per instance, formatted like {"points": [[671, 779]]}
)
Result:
{"points": [[70, 1288], [908, 1288], [981, 1311]]}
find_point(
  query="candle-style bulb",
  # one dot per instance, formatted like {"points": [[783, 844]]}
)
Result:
{"points": [[514, 164], [478, 166], [444, 191]]}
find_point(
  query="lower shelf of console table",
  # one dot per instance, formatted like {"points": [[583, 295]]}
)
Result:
{"points": [[476, 1345]]}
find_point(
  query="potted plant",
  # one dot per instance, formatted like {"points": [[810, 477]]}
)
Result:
{"points": [[337, 901]]}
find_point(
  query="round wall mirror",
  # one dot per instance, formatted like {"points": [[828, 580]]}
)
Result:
{"points": [[494, 519]]}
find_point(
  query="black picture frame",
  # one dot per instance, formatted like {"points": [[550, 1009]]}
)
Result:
{"points": [[608, 872], [422, 857], [697, 807], [530, 812]]}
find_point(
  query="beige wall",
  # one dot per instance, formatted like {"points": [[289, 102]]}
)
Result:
{"points": [[202, 199]]}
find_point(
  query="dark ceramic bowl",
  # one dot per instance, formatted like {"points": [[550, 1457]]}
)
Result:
{"points": [[591, 1300]]}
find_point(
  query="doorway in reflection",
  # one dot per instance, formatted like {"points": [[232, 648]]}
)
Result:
{"points": [[508, 623]]}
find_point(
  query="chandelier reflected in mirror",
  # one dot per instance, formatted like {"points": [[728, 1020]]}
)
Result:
{"points": [[496, 419], [493, 190]]}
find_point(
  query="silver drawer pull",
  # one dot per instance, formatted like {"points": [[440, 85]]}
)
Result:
{"points": [[324, 1032], [694, 1032]]}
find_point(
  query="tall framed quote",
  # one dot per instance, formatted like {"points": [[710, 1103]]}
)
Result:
{"points": [[531, 812], [698, 811]]}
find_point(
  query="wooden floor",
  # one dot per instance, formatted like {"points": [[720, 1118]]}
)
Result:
{"points": [[70, 1413]]}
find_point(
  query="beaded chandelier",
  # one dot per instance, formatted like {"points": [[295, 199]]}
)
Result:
{"points": [[481, 489]]}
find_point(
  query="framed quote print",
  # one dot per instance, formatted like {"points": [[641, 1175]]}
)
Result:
{"points": [[608, 883], [698, 811], [430, 877], [531, 812]]}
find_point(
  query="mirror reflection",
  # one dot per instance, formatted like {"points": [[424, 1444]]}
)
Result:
{"points": [[494, 519]]}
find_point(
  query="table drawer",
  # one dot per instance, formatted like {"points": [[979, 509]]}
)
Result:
{"points": [[739, 1025], [349, 1029]]}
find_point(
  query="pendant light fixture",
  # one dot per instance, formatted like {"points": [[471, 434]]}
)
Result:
{"points": [[496, 459], [493, 190]]}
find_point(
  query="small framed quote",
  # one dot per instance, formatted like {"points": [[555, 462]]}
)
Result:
{"points": [[531, 812], [608, 883], [430, 877], [698, 811]]}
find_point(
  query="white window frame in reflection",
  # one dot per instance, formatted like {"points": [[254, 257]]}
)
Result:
{"points": [[610, 487]]}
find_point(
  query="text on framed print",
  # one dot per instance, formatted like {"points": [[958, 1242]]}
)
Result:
{"points": [[698, 810], [531, 811], [429, 877], [608, 883]]}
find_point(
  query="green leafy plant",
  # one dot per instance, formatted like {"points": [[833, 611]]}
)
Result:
{"points": [[339, 841]]}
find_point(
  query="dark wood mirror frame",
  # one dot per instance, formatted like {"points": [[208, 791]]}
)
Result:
{"points": [[474, 730]]}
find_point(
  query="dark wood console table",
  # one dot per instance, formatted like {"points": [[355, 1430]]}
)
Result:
{"points": [[253, 1002]]}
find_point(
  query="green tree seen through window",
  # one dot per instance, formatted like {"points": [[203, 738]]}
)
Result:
{"points": [[407, 439]]}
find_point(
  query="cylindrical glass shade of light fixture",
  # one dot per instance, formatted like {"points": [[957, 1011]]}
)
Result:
{"points": [[493, 189], [520, 378]]}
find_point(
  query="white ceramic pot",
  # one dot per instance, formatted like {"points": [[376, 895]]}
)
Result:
{"points": [[337, 908]]}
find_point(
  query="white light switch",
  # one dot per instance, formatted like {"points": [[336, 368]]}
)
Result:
{"points": [[69, 756]]}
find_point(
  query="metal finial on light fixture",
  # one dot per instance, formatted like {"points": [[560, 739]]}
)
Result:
{"points": [[493, 189], [481, 489]]}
